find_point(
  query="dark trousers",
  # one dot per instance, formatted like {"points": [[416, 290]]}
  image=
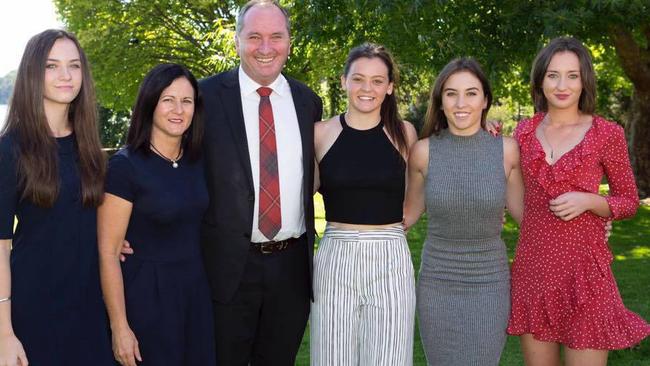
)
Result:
{"points": [[265, 321]]}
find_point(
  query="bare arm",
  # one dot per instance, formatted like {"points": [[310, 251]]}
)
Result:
{"points": [[11, 350], [417, 171], [514, 180], [112, 221]]}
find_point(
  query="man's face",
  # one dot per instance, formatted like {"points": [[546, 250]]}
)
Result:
{"points": [[263, 43]]}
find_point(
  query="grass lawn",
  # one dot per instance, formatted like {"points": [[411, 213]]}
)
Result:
{"points": [[630, 243]]}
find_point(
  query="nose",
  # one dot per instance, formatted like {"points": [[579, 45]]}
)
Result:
{"points": [[178, 107], [64, 73], [562, 82], [460, 101], [264, 46], [365, 86]]}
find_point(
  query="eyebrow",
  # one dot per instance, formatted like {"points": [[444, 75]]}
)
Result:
{"points": [[549, 70], [371, 76], [57, 60], [468, 89]]}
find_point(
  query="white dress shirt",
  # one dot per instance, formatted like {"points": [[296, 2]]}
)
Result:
{"points": [[289, 148]]}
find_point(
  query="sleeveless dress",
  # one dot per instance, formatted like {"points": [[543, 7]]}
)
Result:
{"points": [[563, 289], [57, 308], [463, 292]]}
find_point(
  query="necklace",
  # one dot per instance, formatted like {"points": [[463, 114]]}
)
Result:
{"points": [[173, 161], [546, 122]]}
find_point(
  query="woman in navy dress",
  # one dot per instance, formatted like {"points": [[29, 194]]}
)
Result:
{"points": [[51, 180], [158, 301]]}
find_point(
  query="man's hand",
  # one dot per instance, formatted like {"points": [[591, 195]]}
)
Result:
{"points": [[126, 250]]}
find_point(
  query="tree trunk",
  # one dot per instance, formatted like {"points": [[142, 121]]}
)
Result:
{"points": [[639, 132], [635, 60]]}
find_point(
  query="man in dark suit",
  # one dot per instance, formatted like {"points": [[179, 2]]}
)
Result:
{"points": [[258, 232]]}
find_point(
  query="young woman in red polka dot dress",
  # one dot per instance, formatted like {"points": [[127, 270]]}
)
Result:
{"points": [[563, 290]]}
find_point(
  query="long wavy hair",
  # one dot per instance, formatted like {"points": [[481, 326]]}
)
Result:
{"points": [[37, 149], [389, 112], [435, 120]]}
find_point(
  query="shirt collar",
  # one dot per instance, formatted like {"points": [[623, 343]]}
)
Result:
{"points": [[249, 86]]}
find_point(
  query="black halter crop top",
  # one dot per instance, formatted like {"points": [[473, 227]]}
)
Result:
{"points": [[362, 178]]}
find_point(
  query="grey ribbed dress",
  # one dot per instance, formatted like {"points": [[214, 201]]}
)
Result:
{"points": [[463, 291]]}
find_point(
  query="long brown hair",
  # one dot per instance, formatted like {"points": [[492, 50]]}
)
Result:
{"points": [[435, 120], [37, 149], [587, 101], [389, 113]]}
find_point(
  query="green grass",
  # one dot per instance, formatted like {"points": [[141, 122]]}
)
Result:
{"points": [[630, 243]]}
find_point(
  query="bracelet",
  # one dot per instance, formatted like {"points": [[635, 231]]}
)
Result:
{"points": [[5, 299]]}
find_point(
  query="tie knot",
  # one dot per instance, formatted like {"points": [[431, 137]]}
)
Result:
{"points": [[264, 91]]}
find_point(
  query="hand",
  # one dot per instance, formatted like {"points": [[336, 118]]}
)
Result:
{"points": [[493, 127], [570, 205], [11, 351], [608, 228], [125, 347], [126, 249]]}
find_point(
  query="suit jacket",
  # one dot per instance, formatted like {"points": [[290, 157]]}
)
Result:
{"points": [[226, 228]]}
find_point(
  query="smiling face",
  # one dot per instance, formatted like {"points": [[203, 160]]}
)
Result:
{"points": [[263, 43], [367, 84], [463, 102], [562, 83], [63, 74], [175, 109]]}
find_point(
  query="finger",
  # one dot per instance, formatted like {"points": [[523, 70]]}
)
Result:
{"points": [[122, 258], [22, 359], [137, 352]]}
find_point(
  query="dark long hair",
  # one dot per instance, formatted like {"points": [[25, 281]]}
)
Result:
{"points": [[38, 173], [389, 113], [587, 101], [159, 78], [435, 120]]}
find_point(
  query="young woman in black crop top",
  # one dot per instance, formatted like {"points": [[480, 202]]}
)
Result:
{"points": [[364, 292]]}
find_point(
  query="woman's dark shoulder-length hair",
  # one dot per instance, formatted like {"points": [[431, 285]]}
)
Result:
{"points": [[587, 102], [38, 163], [159, 78], [435, 120]]}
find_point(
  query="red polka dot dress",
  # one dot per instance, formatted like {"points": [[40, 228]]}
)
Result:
{"points": [[563, 289]]}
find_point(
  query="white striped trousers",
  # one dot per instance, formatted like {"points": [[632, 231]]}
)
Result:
{"points": [[364, 299]]}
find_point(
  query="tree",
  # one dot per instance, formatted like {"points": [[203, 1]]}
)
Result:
{"points": [[7, 86], [125, 38]]}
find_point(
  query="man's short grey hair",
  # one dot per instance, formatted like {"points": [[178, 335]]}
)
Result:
{"points": [[242, 12]]}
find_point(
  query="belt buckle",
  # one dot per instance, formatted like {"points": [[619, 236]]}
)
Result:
{"points": [[266, 248]]}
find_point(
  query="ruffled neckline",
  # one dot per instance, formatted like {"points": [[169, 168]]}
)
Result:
{"points": [[552, 177]]}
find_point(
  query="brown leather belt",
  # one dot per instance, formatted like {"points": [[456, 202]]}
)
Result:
{"points": [[269, 247]]}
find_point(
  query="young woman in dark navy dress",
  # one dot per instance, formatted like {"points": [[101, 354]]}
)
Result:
{"points": [[158, 301], [51, 180]]}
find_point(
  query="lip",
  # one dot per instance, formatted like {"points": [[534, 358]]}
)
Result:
{"points": [[561, 96], [461, 115], [264, 60]]}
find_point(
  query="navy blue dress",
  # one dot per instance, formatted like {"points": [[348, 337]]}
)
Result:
{"points": [[168, 303], [56, 301]]}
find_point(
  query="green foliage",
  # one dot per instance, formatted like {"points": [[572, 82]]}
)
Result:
{"points": [[125, 39], [6, 86]]}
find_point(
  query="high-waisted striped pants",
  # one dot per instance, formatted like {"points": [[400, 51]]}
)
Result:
{"points": [[364, 299]]}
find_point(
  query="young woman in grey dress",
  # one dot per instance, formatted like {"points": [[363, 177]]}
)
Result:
{"points": [[464, 177]]}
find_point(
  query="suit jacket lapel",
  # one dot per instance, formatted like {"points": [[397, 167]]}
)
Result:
{"points": [[305, 123], [231, 95]]}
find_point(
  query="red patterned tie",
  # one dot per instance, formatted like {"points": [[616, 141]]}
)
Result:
{"points": [[270, 218]]}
